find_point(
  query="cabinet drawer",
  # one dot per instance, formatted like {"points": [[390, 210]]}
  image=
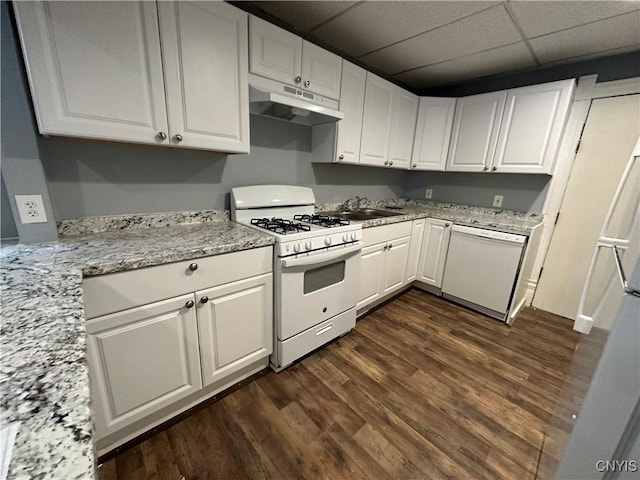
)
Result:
{"points": [[371, 236], [120, 291]]}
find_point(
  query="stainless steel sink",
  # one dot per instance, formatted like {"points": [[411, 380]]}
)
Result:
{"points": [[363, 214]]}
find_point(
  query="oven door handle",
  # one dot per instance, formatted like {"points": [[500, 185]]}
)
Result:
{"points": [[321, 257]]}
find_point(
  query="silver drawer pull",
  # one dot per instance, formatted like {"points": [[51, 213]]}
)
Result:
{"points": [[324, 329]]}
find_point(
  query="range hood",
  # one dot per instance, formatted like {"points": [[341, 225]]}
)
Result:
{"points": [[285, 102]]}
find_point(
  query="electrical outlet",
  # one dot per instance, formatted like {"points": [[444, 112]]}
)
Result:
{"points": [[497, 201], [31, 209], [428, 193]]}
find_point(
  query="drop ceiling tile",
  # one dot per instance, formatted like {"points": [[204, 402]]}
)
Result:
{"points": [[620, 31], [539, 18], [482, 31], [304, 15], [490, 62], [372, 25]]}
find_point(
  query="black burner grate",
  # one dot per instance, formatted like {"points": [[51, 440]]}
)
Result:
{"points": [[322, 220], [280, 225]]}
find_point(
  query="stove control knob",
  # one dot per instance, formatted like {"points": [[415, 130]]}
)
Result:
{"points": [[327, 241], [308, 245], [296, 247], [354, 236], [345, 237]]}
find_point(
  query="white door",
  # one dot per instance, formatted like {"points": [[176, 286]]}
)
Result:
{"points": [[475, 132], [371, 270], [376, 123], [403, 128], [395, 264], [141, 360], [204, 46], [235, 325], [87, 81], [352, 105], [321, 70], [609, 136], [417, 232], [532, 126], [433, 133], [434, 252], [274, 52]]}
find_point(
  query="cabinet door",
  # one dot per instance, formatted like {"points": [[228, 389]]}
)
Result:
{"points": [[274, 53], [417, 232], [141, 360], [433, 132], [371, 271], [87, 81], [434, 252], [235, 325], [321, 70], [531, 128], [352, 105], [395, 264], [204, 46], [403, 128], [376, 123], [475, 132]]}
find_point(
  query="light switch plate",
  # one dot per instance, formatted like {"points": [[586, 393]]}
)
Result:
{"points": [[31, 209], [428, 193], [497, 201]]}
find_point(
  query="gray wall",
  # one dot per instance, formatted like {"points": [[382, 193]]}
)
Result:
{"points": [[91, 178], [8, 225], [524, 193]]}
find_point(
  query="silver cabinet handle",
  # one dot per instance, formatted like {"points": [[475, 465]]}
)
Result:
{"points": [[204, 299], [193, 266], [391, 163], [189, 304], [341, 157], [177, 138], [447, 225], [485, 168], [414, 165], [386, 162], [307, 83], [161, 135], [623, 279], [494, 168], [390, 245], [298, 79]]}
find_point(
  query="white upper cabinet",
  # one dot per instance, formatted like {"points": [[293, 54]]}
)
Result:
{"points": [[376, 123], [87, 81], [285, 57], [205, 50], [475, 132], [403, 127], [433, 133], [532, 125], [513, 131], [352, 105]]}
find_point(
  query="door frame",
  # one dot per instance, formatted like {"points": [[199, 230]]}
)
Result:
{"points": [[587, 90]]}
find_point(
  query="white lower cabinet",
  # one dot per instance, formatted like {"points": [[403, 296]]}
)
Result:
{"points": [[152, 361], [383, 263], [234, 326], [435, 243], [417, 232]]}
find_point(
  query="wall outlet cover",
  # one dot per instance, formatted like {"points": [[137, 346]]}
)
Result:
{"points": [[31, 209], [428, 193], [497, 201]]}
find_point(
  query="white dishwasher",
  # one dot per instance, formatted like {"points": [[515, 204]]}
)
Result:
{"points": [[481, 269]]}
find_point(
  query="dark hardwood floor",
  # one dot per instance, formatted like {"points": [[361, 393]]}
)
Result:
{"points": [[420, 389]]}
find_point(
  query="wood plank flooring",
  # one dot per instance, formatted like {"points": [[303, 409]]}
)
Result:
{"points": [[420, 389]]}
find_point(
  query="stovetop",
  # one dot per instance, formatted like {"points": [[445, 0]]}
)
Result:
{"points": [[299, 223]]}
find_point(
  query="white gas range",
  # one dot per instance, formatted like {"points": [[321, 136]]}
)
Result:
{"points": [[316, 267]]}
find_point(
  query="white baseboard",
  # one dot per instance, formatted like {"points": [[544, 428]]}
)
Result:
{"points": [[583, 324]]}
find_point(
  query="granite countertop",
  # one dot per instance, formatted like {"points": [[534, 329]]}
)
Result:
{"points": [[43, 372], [490, 218]]}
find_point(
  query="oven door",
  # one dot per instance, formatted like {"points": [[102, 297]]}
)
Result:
{"points": [[315, 287]]}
